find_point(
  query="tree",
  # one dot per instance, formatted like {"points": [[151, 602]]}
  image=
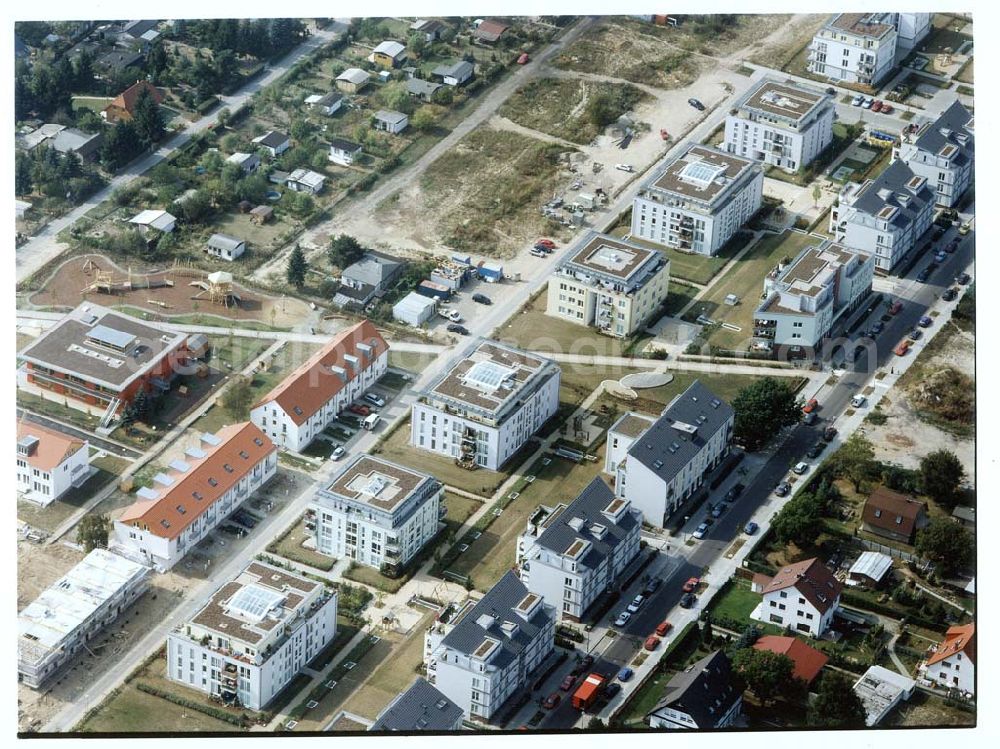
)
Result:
{"points": [[836, 705], [344, 251], [157, 61], [856, 459], [941, 473], [595, 724], [768, 675], [424, 119], [297, 267], [763, 408], [706, 631], [140, 405], [238, 398], [224, 116], [22, 173], [817, 193], [945, 543], [92, 532], [148, 119], [799, 521]]}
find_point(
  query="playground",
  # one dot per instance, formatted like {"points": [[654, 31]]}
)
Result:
{"points": [[167, 293]]}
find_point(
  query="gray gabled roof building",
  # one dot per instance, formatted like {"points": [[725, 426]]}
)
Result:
{"points": [[420, 708], [943, 151], [701, 696]]}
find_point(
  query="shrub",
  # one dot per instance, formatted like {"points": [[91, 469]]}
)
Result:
{"points": [[242, 721]]}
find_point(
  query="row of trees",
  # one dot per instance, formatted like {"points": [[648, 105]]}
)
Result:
{"points": [[55, 175]]}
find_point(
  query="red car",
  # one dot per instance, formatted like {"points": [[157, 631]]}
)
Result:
{"points": [[663, 627], [567, 683], [876, 106], [547, 243], [896, 308], [522, 59], [810, 406], [551, 701], [651, 642], [886, 108], [691, 584], [360, 409]]}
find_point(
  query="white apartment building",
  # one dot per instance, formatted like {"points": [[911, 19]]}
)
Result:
{"points": [[804, 300], [629, 427], [305, 402], [487, 652], [698, 200], [785, 125], [911, 28], [486, 405], [253, 636], [885, 216], [855, 48], [49, 463], [57, 624], [667, 463], [571, 554], [952, 665], [610, 284], [199, 492], [803, 596], [943, 152], [377, 513]]}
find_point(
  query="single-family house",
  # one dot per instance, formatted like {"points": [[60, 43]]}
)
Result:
{"points": [[893, 515], [225, 247], [430, 29], [116, 61], [123, 106], [966, 516], [421, 89], [388, 55], [702, 696], [327, 103], [135, 30], [153, 219], [952, 665], [372, 276], [807, 662], [803, 596], [84, 145], [248, 162], [305, 180], [49, 463], [455, 74], [390, 121], [489, 31], [343, 152], [352, 80], [274, 142]]}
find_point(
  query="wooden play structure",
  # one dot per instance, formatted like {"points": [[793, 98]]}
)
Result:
{"points": [[109, 282], [219, 287]]}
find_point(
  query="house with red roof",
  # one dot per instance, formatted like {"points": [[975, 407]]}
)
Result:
{"points": [[304, 403], [803, 596], [199, 491], [952, 665], [123, 106], [808, 661], [49, 463], [893, 515]]}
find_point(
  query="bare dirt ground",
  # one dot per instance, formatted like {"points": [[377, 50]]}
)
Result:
{"points": [[905, 438], [787, 39], [65, 289]]}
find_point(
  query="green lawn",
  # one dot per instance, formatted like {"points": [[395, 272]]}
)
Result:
{"points": [[699, 269], [93, 103], [678, 296], [132, 711], [736, 603], [234, 351], [410, 360], [746, 280], [291, 547], [50, 518], [460, 508]]}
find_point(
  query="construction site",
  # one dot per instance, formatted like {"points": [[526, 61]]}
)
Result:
{"points": [[173, 292]]}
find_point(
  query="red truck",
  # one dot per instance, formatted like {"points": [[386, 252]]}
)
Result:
{"points": [[588, 691]]}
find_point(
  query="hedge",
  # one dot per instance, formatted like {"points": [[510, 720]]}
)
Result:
{"points": [[215, 712]]}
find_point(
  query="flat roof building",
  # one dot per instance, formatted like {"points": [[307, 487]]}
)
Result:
{"points": [[858, 48], [486, 404], [609, 283], [377, 513], [253, 636], [72, 611], [698, 200], [880, 689]]}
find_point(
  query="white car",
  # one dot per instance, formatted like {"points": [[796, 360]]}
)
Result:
{"points": [[858, 401], [622, 619], [452, 314], [636, 603], [800, 468], [701, 531], [624, 168], [374, 400], [338, 453]]}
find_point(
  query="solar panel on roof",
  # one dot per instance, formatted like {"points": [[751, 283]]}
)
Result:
{"points": [[253, 601], [701, 172], [116, 339], [487, 375]]}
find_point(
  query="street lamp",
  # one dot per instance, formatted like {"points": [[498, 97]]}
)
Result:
{"points": [[687, 535]]}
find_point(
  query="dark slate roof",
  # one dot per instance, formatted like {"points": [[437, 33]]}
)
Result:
{"points": [[119, 59], [343, 144], [420, 708], [329, 99], [697, 407], [704, 690], [135, 29], [273, 139], [894, 178], [419, 87], [954, 118], [559, 536], [498, 603]]}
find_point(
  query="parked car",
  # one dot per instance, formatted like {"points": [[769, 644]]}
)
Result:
{"points": [[625, 674], [338, 453], [611, 690], [651, 643], [696, 104], [663, 627], [952, 245], [635, 604], [750, 528], [718, 510], [535, 252], [915, 334], [374, 399], [925, 322], [701, 530], [691, 584], [481, 299], [622, 619], [359, 408], [800, 468], [733, 492], [816, 449], [811, 405], [624, 168], [460, 329], [868, 102], [949, 294], [858, 400], [963, 279], [938, 233], [809, 418], [567, 682], [886, 107], [965, 228], [896, 308], [546, 243], [829, 433], [940, 256], [782, 489], [878, 327], [652, 585], [876, 106], [552, 701], [923, 275], [688, 600], [902, 347]]}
